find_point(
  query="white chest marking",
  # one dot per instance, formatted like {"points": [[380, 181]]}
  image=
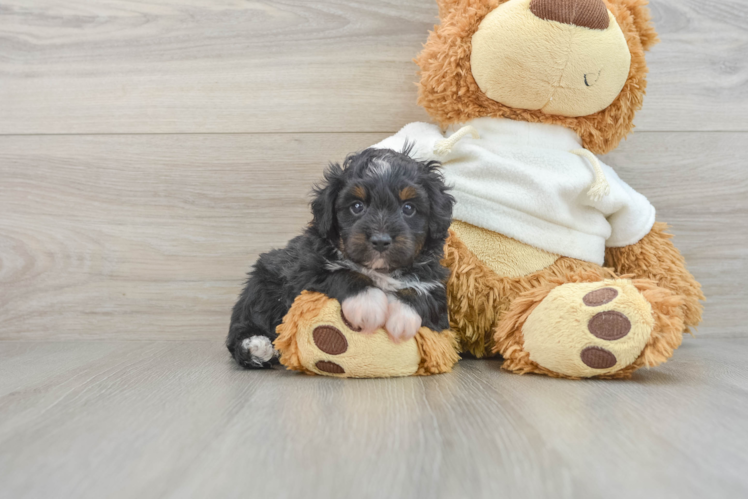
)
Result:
{"points": [[386, 282]]}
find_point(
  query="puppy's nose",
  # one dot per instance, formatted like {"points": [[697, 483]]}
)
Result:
{"points": [[381, 242], [590, 14]]}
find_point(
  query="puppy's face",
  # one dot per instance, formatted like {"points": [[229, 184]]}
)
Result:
{"points": [[388, 208], [383, 216]]}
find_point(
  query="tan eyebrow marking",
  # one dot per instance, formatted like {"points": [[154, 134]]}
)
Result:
{"points": [[408, 193], [360, 192]]}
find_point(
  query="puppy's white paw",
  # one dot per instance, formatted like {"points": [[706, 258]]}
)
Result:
{"points": [[403, 322], [260, 348], [366, 311]]}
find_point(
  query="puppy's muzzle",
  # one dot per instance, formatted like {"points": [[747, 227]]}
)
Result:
{"points": [[380, 242]]}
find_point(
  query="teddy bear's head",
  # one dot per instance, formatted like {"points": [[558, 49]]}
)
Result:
{"points": [[576, 63]]}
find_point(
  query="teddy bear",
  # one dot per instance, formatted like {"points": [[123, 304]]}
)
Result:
{"points": [[556, 264]]}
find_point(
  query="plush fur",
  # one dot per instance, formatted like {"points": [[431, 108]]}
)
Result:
{"points": [[449, 93], [377, 195], [479, 298], [488, 311], [655, 257], [437, 350], [502, 254], [665, 337]]}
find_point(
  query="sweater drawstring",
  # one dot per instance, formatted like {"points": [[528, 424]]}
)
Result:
{"points": [[444, 147], [600, 188]]}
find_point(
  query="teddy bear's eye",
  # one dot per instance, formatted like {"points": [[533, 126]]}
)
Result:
{"points": [[409, 210], [357, 208]]}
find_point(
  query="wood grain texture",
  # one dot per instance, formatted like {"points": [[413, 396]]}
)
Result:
{"points": [[177, 419], [698, 182], [698, 73], [149, 237], [146, 236], [210, 66], [85, 66]]}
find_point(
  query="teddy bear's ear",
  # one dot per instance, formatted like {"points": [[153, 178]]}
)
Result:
{"points": [[642, 21]]}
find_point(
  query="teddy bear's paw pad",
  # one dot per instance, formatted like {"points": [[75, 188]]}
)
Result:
{"points": [[600, 297], [589, 329], [329, 346], [330, 340], [329, 367], [598, 358], [609, 325]]}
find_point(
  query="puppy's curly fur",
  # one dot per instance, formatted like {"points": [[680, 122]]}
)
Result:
{"points": [[379, 227]]}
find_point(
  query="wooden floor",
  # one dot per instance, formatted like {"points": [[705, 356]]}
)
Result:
{"points": [[151, 149], [177, 419]]}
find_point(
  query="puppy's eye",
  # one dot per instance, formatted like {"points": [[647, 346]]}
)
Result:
{"points": [[357, 208], [409, 210]]}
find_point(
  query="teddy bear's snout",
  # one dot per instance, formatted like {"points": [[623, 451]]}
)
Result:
{"points": [[562, 57], [583, 13]]}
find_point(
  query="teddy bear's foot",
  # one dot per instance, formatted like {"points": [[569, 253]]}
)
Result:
{"points": [[588, 329], [602, 329], [316, 338]]}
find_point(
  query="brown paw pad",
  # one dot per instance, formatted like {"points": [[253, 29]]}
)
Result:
{"points": [[600, 297], [609, 325], [330, 340], [598, 358], [329, 367]]}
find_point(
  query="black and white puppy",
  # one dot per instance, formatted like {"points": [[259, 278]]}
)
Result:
{"points": [[375, 244]]}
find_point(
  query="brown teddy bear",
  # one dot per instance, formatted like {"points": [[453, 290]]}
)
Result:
{"points": [[556, 263]]}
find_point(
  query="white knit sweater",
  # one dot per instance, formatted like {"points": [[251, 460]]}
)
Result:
{"points": [[521, 180]]}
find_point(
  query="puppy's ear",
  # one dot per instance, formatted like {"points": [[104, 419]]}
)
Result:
{"points": [[441, 202], [323, 205]]}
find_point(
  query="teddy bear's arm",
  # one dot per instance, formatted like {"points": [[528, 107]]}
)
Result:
{"points": [[655, 257]]}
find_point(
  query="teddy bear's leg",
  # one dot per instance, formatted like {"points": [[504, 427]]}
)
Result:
{"points": [[316, 338], [655, 257], [604, 329]]}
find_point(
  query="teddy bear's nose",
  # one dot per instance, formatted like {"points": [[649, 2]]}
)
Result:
{"points": [[584, 13]]}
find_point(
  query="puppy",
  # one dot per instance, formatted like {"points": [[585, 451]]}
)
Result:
{"points": [[375, 244]]}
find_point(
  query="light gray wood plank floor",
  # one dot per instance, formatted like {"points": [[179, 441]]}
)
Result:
{"points": [[140, 418]]}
